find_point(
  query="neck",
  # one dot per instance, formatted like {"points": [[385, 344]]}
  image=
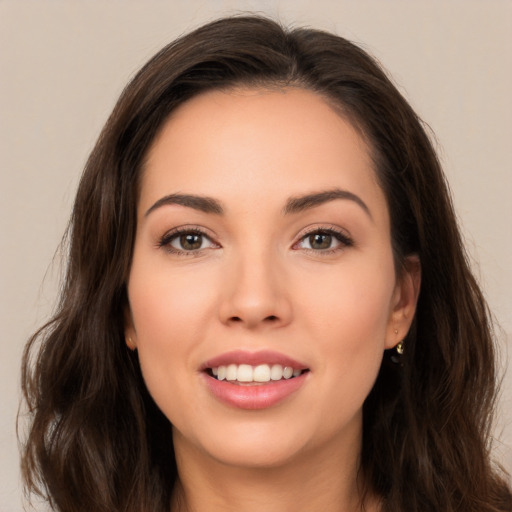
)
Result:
{"points": [[326, 480]]}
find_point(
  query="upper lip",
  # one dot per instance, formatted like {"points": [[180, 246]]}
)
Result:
{"points": [[269, 357]]}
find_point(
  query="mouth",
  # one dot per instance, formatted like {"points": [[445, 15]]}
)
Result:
{"points": [[254, 380], [246, 374]]}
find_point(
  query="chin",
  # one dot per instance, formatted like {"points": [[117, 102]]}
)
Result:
{"points": [[258, 455], [248, 445]]}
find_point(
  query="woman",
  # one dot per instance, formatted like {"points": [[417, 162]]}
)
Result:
{"points": [[267, 303]]}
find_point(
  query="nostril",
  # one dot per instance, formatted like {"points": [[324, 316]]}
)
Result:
{"points": [[253, 320]]}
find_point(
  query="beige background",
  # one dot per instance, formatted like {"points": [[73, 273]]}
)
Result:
{"points": [[63, 64]]}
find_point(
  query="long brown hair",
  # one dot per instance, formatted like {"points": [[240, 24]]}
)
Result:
{"points": [[97, 442]]}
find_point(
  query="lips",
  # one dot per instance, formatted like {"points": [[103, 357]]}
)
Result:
{"points": [[253, 380], [254, 359], [245, 373]]}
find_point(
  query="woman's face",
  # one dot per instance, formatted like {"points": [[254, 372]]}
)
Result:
{"points": [[262, 251]]}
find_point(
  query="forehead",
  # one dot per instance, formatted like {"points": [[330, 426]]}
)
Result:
{"points": [[257, 142]]}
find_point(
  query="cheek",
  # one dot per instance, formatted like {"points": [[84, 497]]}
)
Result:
{"points": [[347, 316], [352, 304], [169, 313], [349, 329], [166, 304], [350, 332]]}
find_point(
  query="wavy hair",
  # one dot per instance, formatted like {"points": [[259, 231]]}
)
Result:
{"points": [[96, 439]]}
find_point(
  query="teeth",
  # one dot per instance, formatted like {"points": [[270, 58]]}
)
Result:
{"points": [[287, 372], [231, 372], [276, 373], [244, 373], [260, 373]]}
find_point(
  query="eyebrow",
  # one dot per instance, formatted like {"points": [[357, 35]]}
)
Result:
{"points": [[201, 203], [299, 204], [293, 205]]}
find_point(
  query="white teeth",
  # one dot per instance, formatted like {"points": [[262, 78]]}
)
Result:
{"points": [[276, 373], [260, 373], [244, 373], [231, 372], [287, 372]]}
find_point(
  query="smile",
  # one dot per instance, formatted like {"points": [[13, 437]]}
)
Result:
{"points": [[246, 374], [254, 380]]}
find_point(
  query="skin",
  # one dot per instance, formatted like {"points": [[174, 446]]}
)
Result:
{"points": [[256, 283]]}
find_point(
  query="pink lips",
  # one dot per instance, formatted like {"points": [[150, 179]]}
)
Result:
{"points": [[257, 395], [253, 358]]}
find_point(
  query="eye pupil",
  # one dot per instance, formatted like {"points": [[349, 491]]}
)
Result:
{"points": [[320, 241], [191, 241]]}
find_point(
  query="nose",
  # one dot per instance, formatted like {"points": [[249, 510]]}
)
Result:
{"points": [[255, 293]]}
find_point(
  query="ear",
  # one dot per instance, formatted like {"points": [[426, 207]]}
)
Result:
{"points": [[404, 301], [130, 335]]}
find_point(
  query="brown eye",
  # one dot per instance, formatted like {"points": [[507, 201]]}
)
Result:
{"points": [[190, 241], [324, 241], [320, 241], [187, 241]]}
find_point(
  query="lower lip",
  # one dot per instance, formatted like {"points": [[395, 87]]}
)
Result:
{"points": [[257, 396]]}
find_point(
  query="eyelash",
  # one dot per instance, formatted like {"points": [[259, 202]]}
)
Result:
{"points": [[344, 240], [170, 236]]}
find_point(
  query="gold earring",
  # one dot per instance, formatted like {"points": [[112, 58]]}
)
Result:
{"points": [[129, 343], [400, 348]]}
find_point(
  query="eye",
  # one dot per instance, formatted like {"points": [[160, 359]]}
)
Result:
{"points": [[324, 240], [186, 241], [319, 241], [189, 242]]}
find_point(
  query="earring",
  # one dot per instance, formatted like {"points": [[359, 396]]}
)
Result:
{"points": [[130, 344], [400, 345], [399, 350]]}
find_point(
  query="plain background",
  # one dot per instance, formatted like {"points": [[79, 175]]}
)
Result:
{"points": [[64, 63]]}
